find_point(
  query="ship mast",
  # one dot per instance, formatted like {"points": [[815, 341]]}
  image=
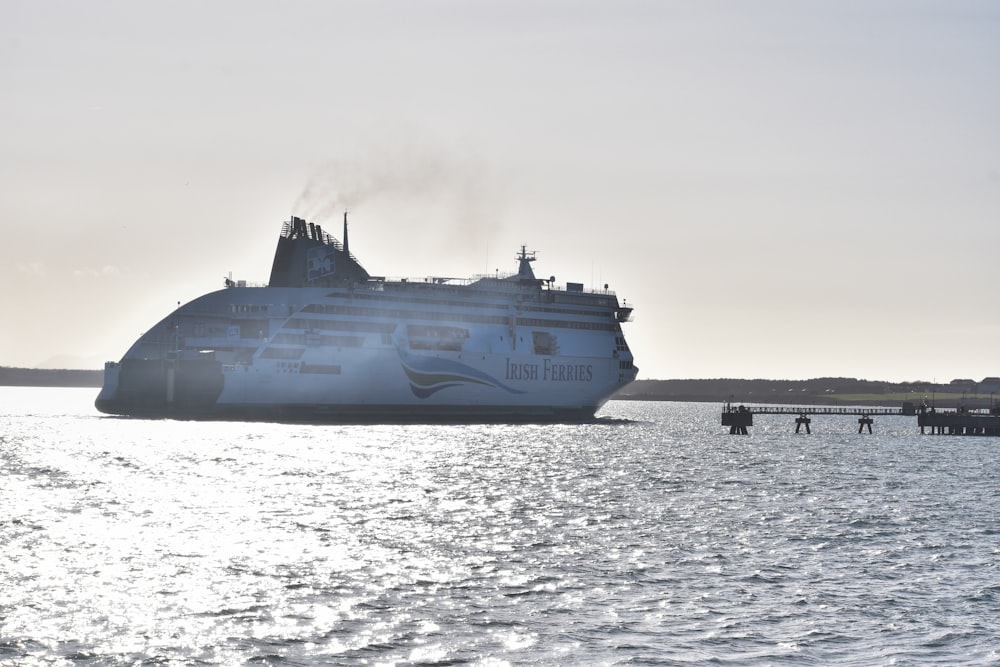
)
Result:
{"points": [[524, 271], [347, 248]]}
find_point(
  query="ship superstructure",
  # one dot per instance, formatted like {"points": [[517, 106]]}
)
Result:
{"points": [[326, 341]]}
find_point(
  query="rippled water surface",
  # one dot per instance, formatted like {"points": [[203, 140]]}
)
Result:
{"points": [[652, 537]]}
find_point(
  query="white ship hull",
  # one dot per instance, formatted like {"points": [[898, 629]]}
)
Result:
{"points": [[497, 349]]}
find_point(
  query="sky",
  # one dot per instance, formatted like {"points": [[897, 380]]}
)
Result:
{"points": [[782, 190]]}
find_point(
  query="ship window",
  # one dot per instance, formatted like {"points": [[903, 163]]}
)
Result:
{"points": [[545, 343], [324, 369], [281, 353], [404, 314]]}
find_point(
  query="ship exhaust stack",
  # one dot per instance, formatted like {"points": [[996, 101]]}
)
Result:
{"points": [[306, 256]]}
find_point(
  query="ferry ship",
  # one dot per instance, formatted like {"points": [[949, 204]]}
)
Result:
{"points": [[325, 341]]}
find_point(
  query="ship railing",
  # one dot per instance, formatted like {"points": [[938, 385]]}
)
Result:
{"points": [[503, 279], [499, 281], [494, 280], [243, 283]]}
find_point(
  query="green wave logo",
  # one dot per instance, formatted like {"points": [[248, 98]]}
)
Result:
{"points": [[429, 375]]}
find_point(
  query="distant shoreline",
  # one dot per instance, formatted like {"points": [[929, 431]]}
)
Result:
{"points": [[46, 377], [819, 391]]}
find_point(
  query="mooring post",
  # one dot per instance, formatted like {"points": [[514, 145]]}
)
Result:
{"points": [[865, 420], [800, 421]]}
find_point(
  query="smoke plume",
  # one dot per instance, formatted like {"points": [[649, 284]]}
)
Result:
{"points": [[460, 191]]}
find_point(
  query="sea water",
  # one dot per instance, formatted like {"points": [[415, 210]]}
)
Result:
{"points": [[650, 537]]}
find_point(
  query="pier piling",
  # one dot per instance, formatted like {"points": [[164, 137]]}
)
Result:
{"points": [[865, 421], [800, 421]]}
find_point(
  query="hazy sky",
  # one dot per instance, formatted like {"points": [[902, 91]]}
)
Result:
{"points": [[781, 189]]}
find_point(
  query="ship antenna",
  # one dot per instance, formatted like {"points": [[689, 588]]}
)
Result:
{"points": [[347, 247]]}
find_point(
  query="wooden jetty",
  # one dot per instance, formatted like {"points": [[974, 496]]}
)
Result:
{"points": [[958, 422]]}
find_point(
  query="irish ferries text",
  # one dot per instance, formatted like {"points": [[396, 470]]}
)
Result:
{"points": [[549, 371]]}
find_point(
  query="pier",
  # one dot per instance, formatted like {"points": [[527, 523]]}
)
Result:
{"points": [[957, 422]]}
